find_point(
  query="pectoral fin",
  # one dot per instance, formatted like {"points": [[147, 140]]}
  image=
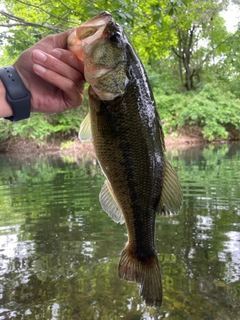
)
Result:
{"points": [[85, 132], [109, 203], [171, 197]]}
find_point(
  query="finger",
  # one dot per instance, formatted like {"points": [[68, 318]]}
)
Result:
{"points": [[68, 58], [51, 63], [73, 90]]}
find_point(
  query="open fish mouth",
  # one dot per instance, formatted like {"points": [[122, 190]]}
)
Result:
{"points": [[99, 44], [88, 32]]}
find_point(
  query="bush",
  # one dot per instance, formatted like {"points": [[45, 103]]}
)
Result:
{"points": [[215, 111], [210, 108], [42, 127]]}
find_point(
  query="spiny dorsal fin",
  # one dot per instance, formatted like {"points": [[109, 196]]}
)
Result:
{"points": [[85, 132], [109, 203], [171, 197]]}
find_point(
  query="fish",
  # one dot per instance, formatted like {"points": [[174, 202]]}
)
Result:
{"points": [[128, 140]]}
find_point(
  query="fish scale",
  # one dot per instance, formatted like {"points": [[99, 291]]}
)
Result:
{"points": [[129, 144]]}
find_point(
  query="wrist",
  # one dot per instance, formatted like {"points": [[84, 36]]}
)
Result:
{"points": [[6, 110], [17, 95]]}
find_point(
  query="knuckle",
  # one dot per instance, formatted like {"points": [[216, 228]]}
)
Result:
{"points": [[51, 76], [71, 86], [55, 64]]}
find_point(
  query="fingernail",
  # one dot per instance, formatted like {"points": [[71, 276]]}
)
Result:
{"points": [[57, 53], [39, 69], [39, 56]]}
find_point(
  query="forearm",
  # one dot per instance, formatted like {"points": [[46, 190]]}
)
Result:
{"points": [[5, 109]]}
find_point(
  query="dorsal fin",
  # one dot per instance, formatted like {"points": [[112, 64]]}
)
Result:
{"points": [[171, 196], [109, 203], [85, 132]]}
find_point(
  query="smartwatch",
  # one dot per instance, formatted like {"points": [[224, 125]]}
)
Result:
{"points": [[17, 95]]}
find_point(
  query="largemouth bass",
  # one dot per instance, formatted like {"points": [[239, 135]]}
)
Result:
{"points": [[129, 144]]}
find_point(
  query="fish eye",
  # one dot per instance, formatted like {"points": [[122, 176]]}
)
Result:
{"points": [[115, 37]]}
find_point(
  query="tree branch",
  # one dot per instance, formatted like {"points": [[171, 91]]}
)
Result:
{"points": [[47, 12], [22, 22], [218, 45], [191, 38], [176, 53]]}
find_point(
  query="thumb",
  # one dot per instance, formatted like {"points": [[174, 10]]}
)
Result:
{"points": [[60, 40]]}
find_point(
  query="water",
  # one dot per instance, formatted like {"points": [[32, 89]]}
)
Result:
{"points": [[59, 251]]}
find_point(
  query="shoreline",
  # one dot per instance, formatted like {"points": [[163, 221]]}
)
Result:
{"points": [[77, 149]]}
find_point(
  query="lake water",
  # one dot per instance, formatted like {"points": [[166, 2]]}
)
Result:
{"points": [[59, 250]]}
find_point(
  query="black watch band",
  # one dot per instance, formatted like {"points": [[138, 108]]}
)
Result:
{"points": [[17, 95]]}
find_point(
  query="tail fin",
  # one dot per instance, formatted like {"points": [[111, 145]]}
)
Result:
{"points": [[146, 274]]}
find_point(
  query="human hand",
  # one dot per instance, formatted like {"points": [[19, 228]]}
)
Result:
{"points": [[52, 74]]}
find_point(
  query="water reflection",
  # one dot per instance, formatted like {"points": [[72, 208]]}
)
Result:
{"points": [[59, 251]]}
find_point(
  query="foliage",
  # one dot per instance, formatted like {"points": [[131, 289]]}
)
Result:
{"points": [[27, 22], [42, 126], [31, 20], [216, 112], [5, 130], [183, 43], [66, 144], [201, 36], [213, 110]]}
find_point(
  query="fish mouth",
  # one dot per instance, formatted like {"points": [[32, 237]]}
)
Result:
{"points": [[88, 32], [93, 42]]}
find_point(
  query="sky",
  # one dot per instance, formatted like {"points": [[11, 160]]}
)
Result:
{"points": [[232, 17]]}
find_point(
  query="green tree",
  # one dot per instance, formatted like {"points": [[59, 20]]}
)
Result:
{"points": [[184, 45], [25, 22], [201, 36], [30, 20]]}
